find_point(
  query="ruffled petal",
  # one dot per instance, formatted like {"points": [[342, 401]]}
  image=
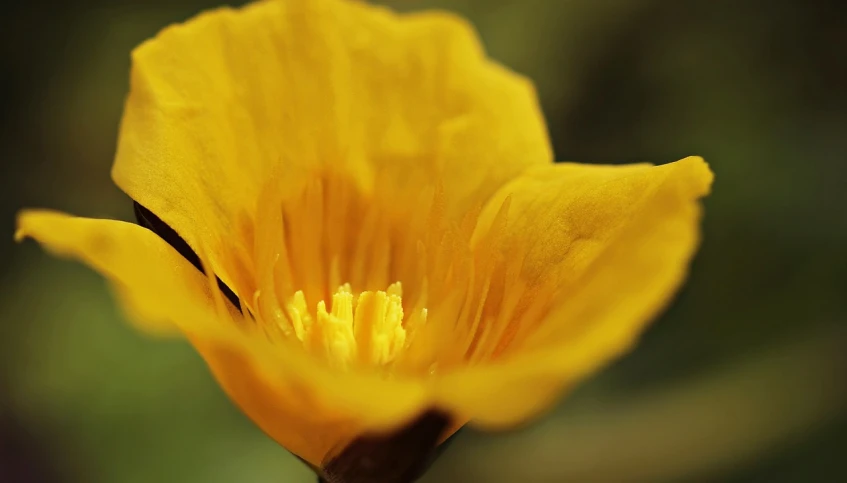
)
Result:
{"points": [[617, 242], [280, 89]]}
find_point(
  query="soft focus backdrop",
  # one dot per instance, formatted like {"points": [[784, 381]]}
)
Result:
{"points": [[743, 379]]}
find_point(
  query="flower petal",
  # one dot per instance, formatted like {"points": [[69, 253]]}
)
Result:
{"points": [[617, 241], [439, 111], [220, 103], [157, 284], [307, 409]]}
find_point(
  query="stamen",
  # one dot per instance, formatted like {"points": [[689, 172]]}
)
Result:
{"points": [[365, 330]]}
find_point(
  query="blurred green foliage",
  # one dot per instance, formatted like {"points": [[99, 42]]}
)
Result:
{"points": [[743, 379]]}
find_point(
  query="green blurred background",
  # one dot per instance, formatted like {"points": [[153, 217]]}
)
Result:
{"points": [[743, 379]]}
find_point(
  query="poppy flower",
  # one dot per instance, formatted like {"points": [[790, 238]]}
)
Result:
{"points": [[355, 218]]}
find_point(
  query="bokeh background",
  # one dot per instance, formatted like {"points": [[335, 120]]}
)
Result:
{"points": [[743, 379]]}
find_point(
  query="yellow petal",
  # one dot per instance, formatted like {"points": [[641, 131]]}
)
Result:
{"points": [[439, 111], [304, 407], [157, 284], [285, 408], [617, 241], [221, 103]]}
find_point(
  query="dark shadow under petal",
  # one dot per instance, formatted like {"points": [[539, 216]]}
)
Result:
{"points": [[149, 220], [399, 457]]}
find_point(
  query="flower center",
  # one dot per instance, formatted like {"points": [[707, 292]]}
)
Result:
{"points": [[367, 329]]}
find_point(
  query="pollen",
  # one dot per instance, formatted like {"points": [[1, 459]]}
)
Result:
{"points": [[365, 329]]}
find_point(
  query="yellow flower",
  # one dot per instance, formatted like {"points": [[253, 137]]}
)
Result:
{"points": [[379, 204]]}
